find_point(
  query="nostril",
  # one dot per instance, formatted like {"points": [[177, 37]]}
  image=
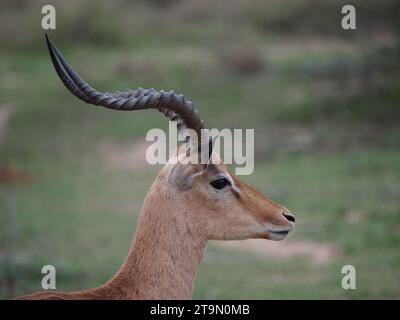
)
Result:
{"points": [[289, 216]]}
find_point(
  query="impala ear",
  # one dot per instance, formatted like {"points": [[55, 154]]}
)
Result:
{"points": [[183, 175], [203, 152], [197, 160]]}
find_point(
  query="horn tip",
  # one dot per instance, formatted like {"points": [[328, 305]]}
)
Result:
{"points": [[48, 41]]}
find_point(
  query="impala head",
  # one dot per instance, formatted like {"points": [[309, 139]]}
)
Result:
{"points": [[216, 204], [219, 206]]}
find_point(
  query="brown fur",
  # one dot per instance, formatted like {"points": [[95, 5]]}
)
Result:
{"points": [[180, 214]]}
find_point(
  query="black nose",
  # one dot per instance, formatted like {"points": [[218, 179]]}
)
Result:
{"points": [[289, 216]]}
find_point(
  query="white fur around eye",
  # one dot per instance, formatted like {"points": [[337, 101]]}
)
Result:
{"points": [[232, 183]]}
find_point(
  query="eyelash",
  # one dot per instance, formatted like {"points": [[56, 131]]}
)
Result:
{"points": [[220, 183]]}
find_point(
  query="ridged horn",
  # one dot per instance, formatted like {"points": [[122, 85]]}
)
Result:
{"points": [[173, 105]]}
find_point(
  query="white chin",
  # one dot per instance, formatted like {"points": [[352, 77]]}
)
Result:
{"points": [[278, 236]]}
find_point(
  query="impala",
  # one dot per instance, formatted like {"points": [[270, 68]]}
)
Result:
{"points": [[187, 205]]}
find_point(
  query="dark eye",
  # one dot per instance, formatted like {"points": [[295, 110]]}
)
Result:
{"points": [[220, 183]]}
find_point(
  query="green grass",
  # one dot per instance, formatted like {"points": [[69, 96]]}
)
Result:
{"points": [[325, 149]]}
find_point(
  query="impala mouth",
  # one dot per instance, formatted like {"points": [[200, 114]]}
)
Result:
{"points": [[277, 234]]}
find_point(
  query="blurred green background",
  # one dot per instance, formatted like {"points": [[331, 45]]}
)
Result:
{"points": [[324, 103]]}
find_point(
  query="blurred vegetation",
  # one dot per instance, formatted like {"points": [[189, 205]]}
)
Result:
{"points": [[324, 103]]}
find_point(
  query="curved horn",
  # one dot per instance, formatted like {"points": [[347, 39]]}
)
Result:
{"points": [[173, 105]]}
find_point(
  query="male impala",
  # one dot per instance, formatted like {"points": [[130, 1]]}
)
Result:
{"points": [[187, 205]]}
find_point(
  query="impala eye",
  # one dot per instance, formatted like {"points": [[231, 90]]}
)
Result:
{"points": [[220, 183]]}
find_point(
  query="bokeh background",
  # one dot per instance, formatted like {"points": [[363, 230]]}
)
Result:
{"points": [[324, 103]]}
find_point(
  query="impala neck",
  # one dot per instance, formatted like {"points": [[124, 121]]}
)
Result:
{"points": [[163, 260]]}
